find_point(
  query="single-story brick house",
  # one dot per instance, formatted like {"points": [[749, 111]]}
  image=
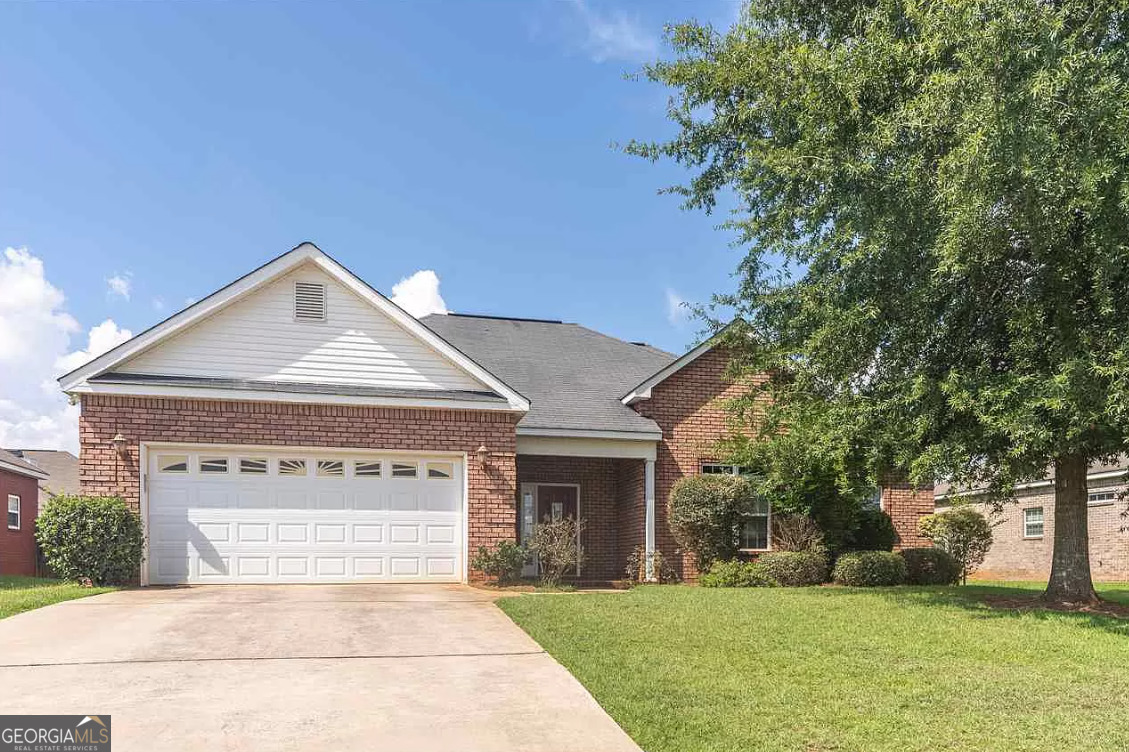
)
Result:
{"points": [[297, 426], [1023, 532], [19, 487]]}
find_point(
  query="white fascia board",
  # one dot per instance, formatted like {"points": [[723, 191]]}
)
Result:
{"points": [[1105, 475], [553, 446], [19, 470], [264, 274], [582, 433], [414, 327], [251, 395], [643, 391]]}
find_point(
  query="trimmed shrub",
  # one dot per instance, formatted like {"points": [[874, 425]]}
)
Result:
{"points": [[704, 514], [795, 568], [796, 532], [870, 569], [554, 545], [963, 532], [501, 562], [873, 531], [737, 574], [930, 566], [91, 537]]}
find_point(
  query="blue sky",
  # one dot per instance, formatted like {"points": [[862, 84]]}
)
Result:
{"points": [[152, 152]]}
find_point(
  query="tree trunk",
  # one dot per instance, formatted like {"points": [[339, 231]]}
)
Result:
{"points": [[1070, 581]]}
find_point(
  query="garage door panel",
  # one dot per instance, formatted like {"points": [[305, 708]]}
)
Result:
{"points": [[321, 525]]}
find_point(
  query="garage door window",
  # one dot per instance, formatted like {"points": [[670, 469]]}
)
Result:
{"points": [[403, 470], [439, 470], [213, 464], [292, 467], [248, 466], [331, 468], [366, 469], [173, 463]]}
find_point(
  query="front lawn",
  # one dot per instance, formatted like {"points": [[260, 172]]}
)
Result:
{"points": [[25, 593], [682, 668]]}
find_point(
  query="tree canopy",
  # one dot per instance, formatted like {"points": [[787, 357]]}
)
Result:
{"points": [[933, 199]]}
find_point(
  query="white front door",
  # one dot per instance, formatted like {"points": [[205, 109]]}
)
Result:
{"points": [[233, 515]]}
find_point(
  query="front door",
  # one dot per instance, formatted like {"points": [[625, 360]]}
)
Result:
{"points": [[546, 503]]}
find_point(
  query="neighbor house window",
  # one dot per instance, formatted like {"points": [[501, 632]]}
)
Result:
{"points": [[13, 512], [1100, 498], [1033, 522]]}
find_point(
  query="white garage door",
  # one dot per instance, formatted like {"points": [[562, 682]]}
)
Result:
{"points": [[218, 514]]}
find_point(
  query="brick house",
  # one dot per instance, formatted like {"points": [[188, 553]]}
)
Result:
{"points": [[19, 487], [1023, 531], [297, 426]]}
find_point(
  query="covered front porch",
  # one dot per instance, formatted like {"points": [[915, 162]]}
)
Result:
{"points": [[609, 485]]}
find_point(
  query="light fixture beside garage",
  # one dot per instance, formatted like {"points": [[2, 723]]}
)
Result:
{"points": [[483, 454], [119, 445]]}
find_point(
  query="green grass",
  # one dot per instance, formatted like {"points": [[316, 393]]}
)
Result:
{"points": [[686, 669], [25, 593]]}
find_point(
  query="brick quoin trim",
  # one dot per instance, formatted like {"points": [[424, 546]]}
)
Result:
{"points": [[17, 547], [601, 499], [491, 490]]}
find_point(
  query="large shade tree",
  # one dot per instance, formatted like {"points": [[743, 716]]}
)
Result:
{"points": [[934, 202]]}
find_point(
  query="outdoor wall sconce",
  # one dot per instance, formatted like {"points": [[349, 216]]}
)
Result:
{"points": [[482, 454], [119, 444]]}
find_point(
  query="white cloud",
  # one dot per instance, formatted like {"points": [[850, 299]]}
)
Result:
{"points": [[102, 338], [615, 35], [35, 334], [158, 304], [119, 285], [676, 308], [419, 294]]}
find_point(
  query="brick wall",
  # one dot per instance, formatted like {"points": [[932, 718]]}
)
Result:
{"points": [[17, 547], [1015, 557], [600, 500], [492, 490], [690, 408], [631, 524], [906, 506]]}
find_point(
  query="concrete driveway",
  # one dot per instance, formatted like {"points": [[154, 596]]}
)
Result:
{"points": [[351, 667]]}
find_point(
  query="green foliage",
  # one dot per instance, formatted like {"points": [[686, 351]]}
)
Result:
{"points": [[91, 537], [555, 545], [704, 514], [739, 574], [869, 569], [502, 562], [795, 568], [962, 532], [662, 569], [934, 201], [873, 531], [930, 566]]}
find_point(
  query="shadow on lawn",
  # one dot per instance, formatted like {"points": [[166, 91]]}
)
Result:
{"points": [[1001, 602]]}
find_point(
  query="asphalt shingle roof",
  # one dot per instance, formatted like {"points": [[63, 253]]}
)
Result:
{"points": [[61, 465], [19, 462], [573, 376]]}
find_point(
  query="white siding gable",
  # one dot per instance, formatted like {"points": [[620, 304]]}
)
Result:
{"points": [[257, 338]]}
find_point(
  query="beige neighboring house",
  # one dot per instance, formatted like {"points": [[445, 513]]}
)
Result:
{"points": [[1023, 536], [61, 468]]}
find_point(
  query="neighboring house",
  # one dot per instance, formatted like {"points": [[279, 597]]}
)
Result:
{"points": [[297, 426], [1023, 532], [19, 487], [62, 470]]}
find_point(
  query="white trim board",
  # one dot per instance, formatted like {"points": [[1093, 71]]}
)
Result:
{"points": [[304, 253], [643, 390], [581, 447]]}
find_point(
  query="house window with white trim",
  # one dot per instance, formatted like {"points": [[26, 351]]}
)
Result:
{"points": [[13, 512], [1033, 522], [1101, 498], [756, 528]]}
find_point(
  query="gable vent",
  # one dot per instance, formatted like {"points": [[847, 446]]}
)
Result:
{"points": [[309, 301]]}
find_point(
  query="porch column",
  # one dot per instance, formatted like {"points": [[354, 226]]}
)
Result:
{"points": [[649, 497]]}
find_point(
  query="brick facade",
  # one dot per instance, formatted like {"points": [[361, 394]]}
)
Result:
{"points": [[689, 407], [602, 496], [17, 547], [906, 506], [492, 489], [1016, 557]]}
